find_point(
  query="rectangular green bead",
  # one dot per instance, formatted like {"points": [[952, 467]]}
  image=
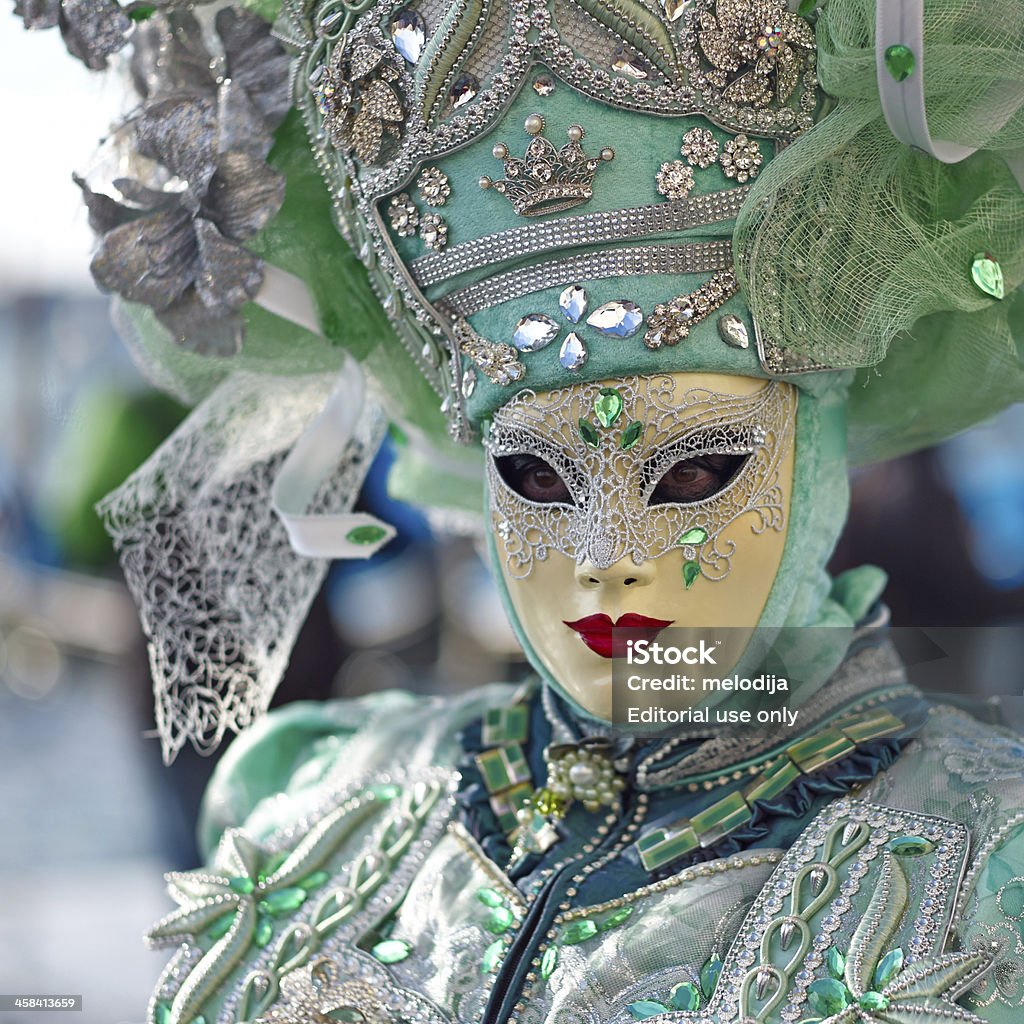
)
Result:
{"points": [[823, 748], [772, 781], [503, 767], [721, 818], [869, 726], [666, 844], [507, 802], [506, 725]]}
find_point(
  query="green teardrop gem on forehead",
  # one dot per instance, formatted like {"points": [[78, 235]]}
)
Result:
{"points": [[608, 406]]}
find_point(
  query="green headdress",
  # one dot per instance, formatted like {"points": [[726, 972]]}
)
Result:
{"points": [[494, 195]]}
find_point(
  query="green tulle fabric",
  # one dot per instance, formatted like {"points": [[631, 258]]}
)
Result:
{"points": [[857, 250]]}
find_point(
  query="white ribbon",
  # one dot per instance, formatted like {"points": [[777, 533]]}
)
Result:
{"points": [[316, 455]]}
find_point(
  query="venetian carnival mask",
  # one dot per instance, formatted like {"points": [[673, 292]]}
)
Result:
{"points": [[643, 502]]}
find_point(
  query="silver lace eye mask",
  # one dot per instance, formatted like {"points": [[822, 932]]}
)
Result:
{"points": [[612, 446]]}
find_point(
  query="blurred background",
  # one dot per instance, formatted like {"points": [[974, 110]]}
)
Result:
{"points": [[91, 818]]}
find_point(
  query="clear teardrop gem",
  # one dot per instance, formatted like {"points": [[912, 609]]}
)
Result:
{"points": [[533, 332], [408, 33], [468, 384], [573, 303], [543, 85], [733, 331], [573, 353], [626, 62], [465, 88], [620, 319]]}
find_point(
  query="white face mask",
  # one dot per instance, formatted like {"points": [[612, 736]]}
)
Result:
{"points": [[662, 498]]}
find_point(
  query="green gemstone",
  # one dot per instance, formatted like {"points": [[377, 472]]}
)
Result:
{"points": [[988, 275], [607, 407], [199, 1020], [644, 1008], [828, 996], [492, 957], [900, 61], [162, 1013], [691, 570], [142, 13], [836, 963], [242, 885], [499, 920], [709, 975], [283, 901], [398, 435], [386, 791], [366, 535], [684, 996], [614, 920], [873, 1001], [391, 951], [695, 535], [315, 880], [489, 897], [264, 931], [806, 8], [222, 925], [589, 433], [911, 846], [888, 967], [548, 962], [631, 435], [579, 931]]}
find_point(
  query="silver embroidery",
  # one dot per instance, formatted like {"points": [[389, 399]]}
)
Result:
{"points": [[610, 518]]}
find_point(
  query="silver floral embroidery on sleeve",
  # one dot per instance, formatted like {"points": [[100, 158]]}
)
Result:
{"points": [[610, 483]]}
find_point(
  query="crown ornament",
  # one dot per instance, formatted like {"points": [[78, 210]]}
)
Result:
{"points": [[547, 179]]}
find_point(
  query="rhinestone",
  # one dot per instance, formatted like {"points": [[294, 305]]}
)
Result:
{"points": [[434, 231], [828, 996], [434, 187], [408, 33], [579, 931], [492, 957], [573, 303], [900, 61], [988, 275], [699, 147], [888, 967], [468, 384], [626, 62], [403, 215], [620, 319], [543, 85], [608, 406], [691, 570], [631, 435], [733, 331], [548, 962], [674, 180], [573, 353], [465, 88], [533, 332], [911, 846], [674, 9]]}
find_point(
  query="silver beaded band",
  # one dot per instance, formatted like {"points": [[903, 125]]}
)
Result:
{"points": [[572, 232], [698, 258]]}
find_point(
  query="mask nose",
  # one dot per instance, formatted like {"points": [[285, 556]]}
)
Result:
{"points": [[621, 574]]}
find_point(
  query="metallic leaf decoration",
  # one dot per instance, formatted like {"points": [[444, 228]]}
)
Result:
{"points": [[448, 47], [640, 27]]}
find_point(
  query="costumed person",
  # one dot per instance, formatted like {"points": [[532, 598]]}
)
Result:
{"points": [[648, 272]]}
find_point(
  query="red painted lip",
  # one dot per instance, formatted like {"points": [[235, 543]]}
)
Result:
{"points": [[596, 631]]}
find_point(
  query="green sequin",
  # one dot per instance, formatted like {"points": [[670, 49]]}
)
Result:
{"points": [[222, 925], [548, 962], [691, 570], [644, 1008], [988, 275], [614, 920], [242, 885], [492, 957], [631, 435], [836, 963], [489, 897], [579, 931], [709, 974], [264, 931], [283, 901], [900, 61], [386, 791], [888, 967], [589, 433], [828, 996], [608, 407], [873, 1001], [499, 920], [684, 996], [391, 951], [695, 535], [314, 881], [366, 535], [162, 1013]]}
